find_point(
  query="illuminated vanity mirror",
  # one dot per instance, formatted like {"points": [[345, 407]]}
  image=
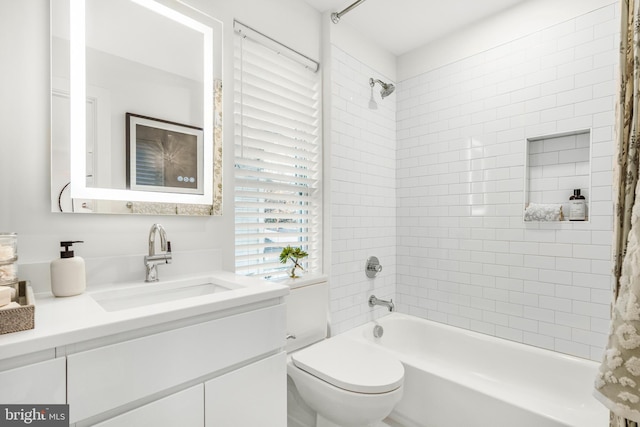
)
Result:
{"points": [[136, 122]]}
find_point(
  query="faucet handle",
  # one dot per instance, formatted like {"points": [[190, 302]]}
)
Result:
{"points": [[372, 267], [167, 256], [373, 301]]}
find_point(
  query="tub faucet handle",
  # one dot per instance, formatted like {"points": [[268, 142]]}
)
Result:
{"points": [[372, 267]]}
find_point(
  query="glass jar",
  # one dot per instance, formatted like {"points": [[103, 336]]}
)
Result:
{"points": [[8, 247], [8, 273], [8, 258]]}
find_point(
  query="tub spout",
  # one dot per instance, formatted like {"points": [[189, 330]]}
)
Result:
{"points": [[373, 301]]}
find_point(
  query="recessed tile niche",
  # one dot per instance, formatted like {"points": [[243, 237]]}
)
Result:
{"points": [[555, 165]]}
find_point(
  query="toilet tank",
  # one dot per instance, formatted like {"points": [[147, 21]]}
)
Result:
{"points": [[307, 311]]}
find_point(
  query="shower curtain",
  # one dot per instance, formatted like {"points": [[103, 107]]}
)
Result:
{"points": [[618, 381]]}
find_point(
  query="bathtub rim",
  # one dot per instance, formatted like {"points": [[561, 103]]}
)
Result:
{"points": [[575, 413]]}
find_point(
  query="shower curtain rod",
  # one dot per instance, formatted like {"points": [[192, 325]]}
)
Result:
{"points": [[335, 16]]}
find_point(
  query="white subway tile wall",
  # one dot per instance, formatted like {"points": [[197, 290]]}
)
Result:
{"points": [[464, 255], [363, 192]]}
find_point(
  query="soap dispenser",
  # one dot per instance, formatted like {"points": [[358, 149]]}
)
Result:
{"points": [[577, 206], [68, 276]]}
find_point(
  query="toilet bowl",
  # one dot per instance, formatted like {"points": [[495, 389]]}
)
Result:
{"points": [[341, 381], [348, 383]]}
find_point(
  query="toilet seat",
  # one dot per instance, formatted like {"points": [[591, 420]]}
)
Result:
{"points": [[351, 365]]}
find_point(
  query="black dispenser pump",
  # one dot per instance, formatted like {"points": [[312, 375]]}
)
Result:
{"points": [[66, 245]]}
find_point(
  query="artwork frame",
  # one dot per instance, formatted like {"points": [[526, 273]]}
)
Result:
{"points": [[163, 155]]}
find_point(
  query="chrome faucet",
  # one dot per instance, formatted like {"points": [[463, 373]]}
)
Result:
{"points": [[373, 301], [152, 260]]}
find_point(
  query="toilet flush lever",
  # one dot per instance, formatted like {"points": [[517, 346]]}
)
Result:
{"points": [[290, 337]]}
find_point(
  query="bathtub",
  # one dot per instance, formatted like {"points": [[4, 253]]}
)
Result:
{"points": [[455, 377]]}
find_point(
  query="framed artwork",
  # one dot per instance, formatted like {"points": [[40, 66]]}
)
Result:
{"points": [[163, 156]]}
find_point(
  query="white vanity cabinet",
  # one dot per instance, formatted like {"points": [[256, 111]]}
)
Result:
{"points": [[250, 396], [184, 409], [37, 383], [123, 381]]}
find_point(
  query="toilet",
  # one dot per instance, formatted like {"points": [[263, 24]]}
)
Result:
{"points": [[347, 383]]}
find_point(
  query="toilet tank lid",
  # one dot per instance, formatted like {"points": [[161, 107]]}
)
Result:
{"points": [[351, 365]]}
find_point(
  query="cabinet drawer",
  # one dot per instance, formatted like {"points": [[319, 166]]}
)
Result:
{"points": [[40, 383], [255, 395], [184, 409], [111, 376]]}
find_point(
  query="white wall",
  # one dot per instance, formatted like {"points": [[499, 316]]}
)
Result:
{"points": [[360, 48], [518, 21], [24, 155], [465, 256]]}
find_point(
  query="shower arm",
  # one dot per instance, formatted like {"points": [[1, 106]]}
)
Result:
{"points": [[335, 16]]}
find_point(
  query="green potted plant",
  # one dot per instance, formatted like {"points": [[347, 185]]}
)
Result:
{"points": [[293, 254]]}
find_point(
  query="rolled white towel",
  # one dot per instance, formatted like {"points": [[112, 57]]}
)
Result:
{"points": [[10, 305], [11, 289], [6, 295], [543, 212]]}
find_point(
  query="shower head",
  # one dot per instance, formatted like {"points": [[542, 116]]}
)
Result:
{"points": [[386, 88]]}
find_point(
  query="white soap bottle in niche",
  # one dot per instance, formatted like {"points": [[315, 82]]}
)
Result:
{"points": [[577, 206], [68, 276]]}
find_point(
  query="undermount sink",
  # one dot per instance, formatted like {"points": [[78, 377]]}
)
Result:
{"points": [[135, 296]]}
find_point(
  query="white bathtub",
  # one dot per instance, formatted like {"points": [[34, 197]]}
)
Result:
{"points": [[455, 377]]}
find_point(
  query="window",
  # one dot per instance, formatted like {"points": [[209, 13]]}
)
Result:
{"points": [[277, 155]]}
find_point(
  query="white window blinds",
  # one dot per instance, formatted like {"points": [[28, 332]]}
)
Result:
{"points": [[277, 159]]}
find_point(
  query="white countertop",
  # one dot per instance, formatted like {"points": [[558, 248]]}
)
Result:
{"points": [[64, 321]]}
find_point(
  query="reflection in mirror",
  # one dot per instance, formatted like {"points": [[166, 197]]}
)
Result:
{"points": [[115, 57], [163, 156]]}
